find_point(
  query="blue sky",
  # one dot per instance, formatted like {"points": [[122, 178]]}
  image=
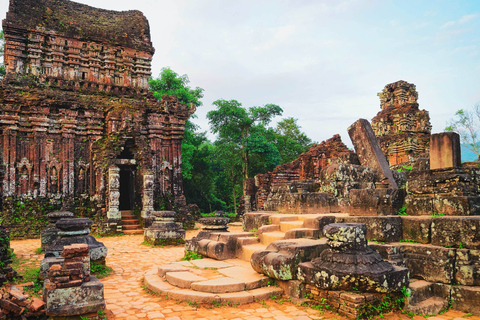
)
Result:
{"points": [[323, 62]]}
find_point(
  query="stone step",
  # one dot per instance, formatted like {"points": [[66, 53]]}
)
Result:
{"points": [[432, 305], [130, 232], [183, 279], [289, 225], [128, 217], [247, 251], [126, 212], [303, 233], [276, 219], [132, 227], [420, 290], [268, 237], [129, 222], [245, 241], [249, 293]]}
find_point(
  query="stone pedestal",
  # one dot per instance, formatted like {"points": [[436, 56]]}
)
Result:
{"points": [[70, 290], [164, 230], [72, 231], [50, 233], [214, 224], [349, 264]]}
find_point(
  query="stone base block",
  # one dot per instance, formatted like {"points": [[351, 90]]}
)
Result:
{"points": [[393, 281], [376, 202], [380, 228], [164, 237], [456, 232], [466, 299], [281, 258], [75, 300], [417, 229]]}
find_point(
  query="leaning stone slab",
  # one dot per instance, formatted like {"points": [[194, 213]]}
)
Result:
{"points": [[73, 301], [369, 151]]}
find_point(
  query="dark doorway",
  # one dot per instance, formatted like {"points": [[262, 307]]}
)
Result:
{"points": [[127, 188]]}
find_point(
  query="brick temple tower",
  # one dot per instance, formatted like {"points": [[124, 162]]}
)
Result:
{"points": [[77, 122]]}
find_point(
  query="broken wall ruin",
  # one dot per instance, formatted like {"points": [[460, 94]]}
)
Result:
{"points": [[78, 126]]}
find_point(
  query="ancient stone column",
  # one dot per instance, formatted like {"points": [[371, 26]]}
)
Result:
{"points": [[113, 213], [148, 200], [50, 233]]}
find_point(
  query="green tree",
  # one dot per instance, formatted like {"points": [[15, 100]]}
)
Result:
{"points": [[467, 124], [290, 141], [233, 124], [170, 83]]}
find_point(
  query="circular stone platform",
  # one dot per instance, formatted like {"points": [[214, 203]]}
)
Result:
{"points": [[209, 280]]}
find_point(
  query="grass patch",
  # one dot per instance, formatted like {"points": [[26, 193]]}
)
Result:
{"points": [[38, 251], [191, 255], [29, 271], [99, 270]]}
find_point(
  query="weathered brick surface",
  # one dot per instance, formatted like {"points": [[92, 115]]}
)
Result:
{"points": [[403, 130], [75, 104]]}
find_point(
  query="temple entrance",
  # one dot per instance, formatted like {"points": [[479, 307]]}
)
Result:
{"points": [[127, 188]]}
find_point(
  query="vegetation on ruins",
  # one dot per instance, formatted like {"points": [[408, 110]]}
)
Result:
{"points": [[2, 48], [466, 123], [213, 172]]}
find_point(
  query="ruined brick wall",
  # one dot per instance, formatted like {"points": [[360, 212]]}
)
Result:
{"points": [[307, 167], [403, 130], [75, 103]]}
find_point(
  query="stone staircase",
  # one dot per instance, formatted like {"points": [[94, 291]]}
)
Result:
{"points": [[130, 224], [281, 227], [233, 280]]}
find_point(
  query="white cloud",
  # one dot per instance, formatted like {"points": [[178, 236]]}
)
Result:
{"points": [[467, 18]]}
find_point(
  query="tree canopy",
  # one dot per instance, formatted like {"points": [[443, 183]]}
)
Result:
{"points": [[467, 124], [214, 172]]}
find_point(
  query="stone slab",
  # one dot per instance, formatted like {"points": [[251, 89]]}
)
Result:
{"points": [[251, 278], [266, 293], [192, 295], [210, 263], [369, 151], [157, 284], [182, 279], [466, 299], [220, 285], [162, 270], [236, 297]]}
